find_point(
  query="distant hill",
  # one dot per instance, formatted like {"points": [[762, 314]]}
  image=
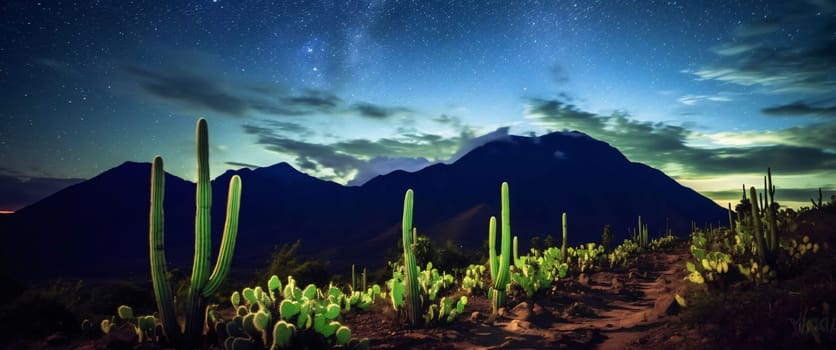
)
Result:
{"points": [[100, 227]]}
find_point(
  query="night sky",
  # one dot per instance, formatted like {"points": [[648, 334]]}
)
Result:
{"points": [[710, 92]]}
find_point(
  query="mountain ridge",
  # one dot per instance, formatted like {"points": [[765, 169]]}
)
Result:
{"points": [[560, 172]]}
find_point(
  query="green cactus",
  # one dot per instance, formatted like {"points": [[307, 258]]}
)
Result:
{"points": [[772, 219], [640, 235], [413, 301], [817, 205], [756, 228], [202, 283], [565, 237], [500, 266]]}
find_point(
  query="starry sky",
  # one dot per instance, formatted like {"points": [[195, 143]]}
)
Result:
{"points": [[710, 92]]}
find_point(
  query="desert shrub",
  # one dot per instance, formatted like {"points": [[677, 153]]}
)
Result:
{"points": [[284, 262]]}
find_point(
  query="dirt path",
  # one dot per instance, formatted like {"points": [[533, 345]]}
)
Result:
{"points": [[603, 310]]}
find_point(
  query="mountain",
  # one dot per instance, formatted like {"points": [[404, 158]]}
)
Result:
{"points": [[100, 227]]}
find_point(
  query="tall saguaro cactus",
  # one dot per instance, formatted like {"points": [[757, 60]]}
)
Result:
{"points": [[756, 228], [413, 297], [500, 266], [565, 226], [202, 283]]}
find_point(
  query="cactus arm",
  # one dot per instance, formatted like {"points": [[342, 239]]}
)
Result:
{"points": [[229, 236], [413, 307], [494, 262], [159, 273], [505, 259]]}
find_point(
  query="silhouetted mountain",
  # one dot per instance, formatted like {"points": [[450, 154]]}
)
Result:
{"points": [[100, 226]]}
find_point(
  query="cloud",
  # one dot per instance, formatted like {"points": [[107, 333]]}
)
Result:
{"points": [[800, 108], [691, 100], [373, 111], [242, 165], [191, 90], [204, 92], [796, 150], [759, 57], [18, 191], [384, 165], [473, 143], [358, 159]]}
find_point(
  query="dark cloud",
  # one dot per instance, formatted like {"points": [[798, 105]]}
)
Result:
{"points": [[758, 58], [192, 90], [819, 135], [242, 165], [19, 191], [804, 149], [267, 126], [410, 150], [314, 100], [373, 111], [311, 156], [445, 119], [800, 108], [207, 93]]}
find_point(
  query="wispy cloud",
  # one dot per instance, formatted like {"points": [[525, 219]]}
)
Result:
{"points": [[205, 91], [359, 159], [675, 148], [758, 58], [799, 108], [691, 100]]}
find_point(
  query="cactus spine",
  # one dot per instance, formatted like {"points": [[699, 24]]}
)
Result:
{"points": [[563, 256], [500, 274], [202, 284], [413, 301]]}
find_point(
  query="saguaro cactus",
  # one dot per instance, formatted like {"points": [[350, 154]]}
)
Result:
{"points": [[756, 228], [500, 266], [413, 296], [202, 283], [563, 256]]}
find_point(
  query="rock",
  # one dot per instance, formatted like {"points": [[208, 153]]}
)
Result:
{"points": [[537, 309], [491, 319], [583, 279], [616, 286], [119, 338], [521, 312], [516, 325], [57, 339], [666, 305], [676, 339]]}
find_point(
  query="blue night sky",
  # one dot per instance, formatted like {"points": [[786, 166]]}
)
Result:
{"points": [[710, 92]]}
